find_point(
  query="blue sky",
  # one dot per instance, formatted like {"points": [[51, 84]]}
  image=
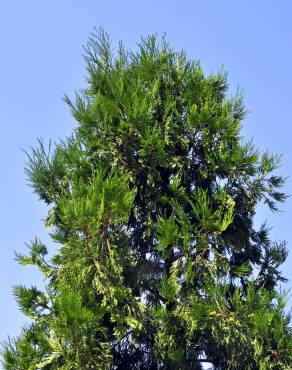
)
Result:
{"points": [[41, 59]]}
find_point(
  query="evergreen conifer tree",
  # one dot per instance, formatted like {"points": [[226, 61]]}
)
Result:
{"points": [[152, 201]]}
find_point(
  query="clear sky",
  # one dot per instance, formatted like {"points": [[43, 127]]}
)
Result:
{"points": [[41, 59]]}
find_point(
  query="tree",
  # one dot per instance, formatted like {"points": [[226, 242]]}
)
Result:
{"points": [[152, 201]]}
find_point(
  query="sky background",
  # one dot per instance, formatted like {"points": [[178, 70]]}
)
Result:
{"points": [[41, 60]]}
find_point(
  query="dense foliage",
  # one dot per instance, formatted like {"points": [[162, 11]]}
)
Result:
{"points": [[152, 201]]}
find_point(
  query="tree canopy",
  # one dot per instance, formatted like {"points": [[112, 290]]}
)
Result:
{"points": [[152, 203]]}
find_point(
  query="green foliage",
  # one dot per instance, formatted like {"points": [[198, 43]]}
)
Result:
{"points": [[210, 219], [151, 202]]}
